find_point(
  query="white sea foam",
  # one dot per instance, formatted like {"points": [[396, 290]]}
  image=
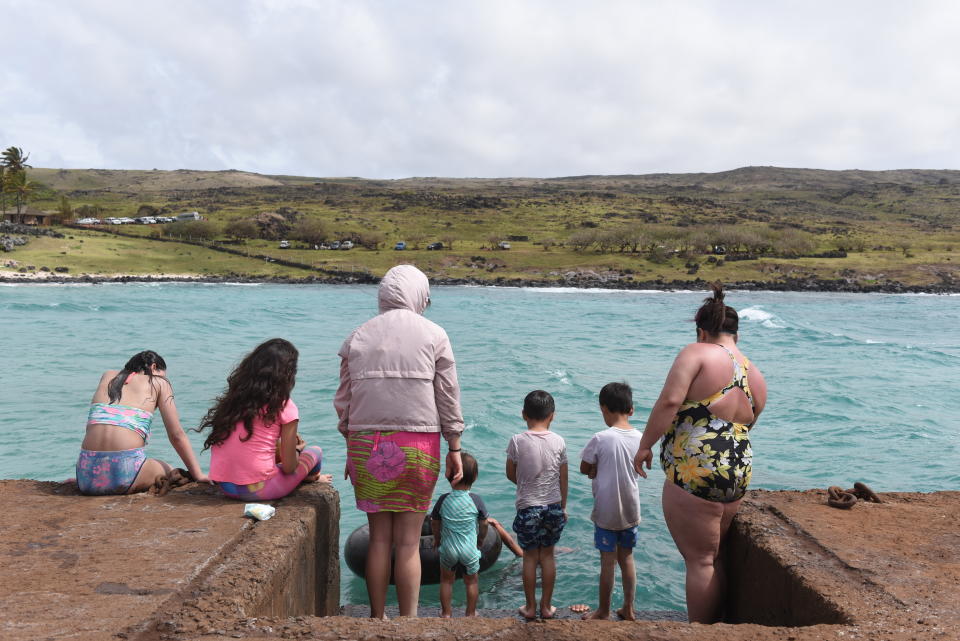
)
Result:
{"points": [[561, 375], [595, 290], [765, 318]]}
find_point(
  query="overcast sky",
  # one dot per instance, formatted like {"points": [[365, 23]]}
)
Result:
{"points": [[403, 88]]}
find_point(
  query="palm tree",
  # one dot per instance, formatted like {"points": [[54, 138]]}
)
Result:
{"points": [[17, 183], [14, 163], [3, 191], [14, 159]]}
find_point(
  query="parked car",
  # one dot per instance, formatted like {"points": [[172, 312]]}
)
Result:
{"points": [[284, 244], [164, 219], [322, 246], [504, 245], [88, 221], [147, 220], [434, 246], [347, 244], [400, 246], [113, 221], [126, 221], [335, 244]]}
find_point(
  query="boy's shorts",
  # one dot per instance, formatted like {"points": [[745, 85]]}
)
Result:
{"points": [[539, 526], [608, 540]]}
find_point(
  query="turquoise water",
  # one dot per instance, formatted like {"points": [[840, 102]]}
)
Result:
{"points": [[861, 387]]}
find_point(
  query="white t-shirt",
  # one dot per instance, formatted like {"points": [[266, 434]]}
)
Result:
{"points": [[616, 498], [538, 456]]}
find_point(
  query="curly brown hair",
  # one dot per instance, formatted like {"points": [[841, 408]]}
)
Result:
{"points": [[259, 386]]}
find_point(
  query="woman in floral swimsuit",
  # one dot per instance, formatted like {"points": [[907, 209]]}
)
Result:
{"points": [[709, 402]]}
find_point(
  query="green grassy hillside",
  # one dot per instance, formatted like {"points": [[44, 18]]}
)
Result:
{"points": [[773, 223]]}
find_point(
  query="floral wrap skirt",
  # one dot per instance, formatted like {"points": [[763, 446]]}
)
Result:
{"points": [[393, 471]]}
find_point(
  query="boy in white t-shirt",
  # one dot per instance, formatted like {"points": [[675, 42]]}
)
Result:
{"points": [[537, 463], [608, 460]]}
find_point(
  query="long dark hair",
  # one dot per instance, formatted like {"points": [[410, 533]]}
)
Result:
{"points": [[138, 364], [714, 316], [259, 386]]}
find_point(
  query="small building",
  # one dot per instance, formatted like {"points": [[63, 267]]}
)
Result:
{"points": [[31, 216]]}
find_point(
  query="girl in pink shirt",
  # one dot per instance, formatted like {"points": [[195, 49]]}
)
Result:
{"points": [[255, 452]]}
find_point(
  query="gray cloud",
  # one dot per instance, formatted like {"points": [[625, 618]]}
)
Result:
{"points": [[496, 88]]}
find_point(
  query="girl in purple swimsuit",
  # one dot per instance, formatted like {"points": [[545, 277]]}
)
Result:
{"points": [[113, 458]]}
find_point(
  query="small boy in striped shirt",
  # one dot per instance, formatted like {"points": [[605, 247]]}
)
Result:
{"points": [[459, 524]]}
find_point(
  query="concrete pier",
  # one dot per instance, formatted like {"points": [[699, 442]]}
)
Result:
{"points": [[189, 566]]}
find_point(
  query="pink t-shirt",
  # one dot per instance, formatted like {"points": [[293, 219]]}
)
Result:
{"points": [[253, 460]]}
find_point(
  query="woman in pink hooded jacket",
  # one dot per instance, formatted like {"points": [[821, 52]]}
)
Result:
{"points": [[398, 393]]}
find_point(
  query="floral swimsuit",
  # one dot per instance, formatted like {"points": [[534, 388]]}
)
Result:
{"points": [[708, 456]]}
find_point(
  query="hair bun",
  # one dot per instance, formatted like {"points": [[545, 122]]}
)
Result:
{"points": [[718, 293]]}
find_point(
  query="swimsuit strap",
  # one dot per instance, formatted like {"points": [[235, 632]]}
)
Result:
{"points": [[739, 380]]}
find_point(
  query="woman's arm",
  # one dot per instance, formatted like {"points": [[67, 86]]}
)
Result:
{"points": [[178, 439], [341, 400], [288, 447], [454, 462], [674, 393], [446, 391], [758, 387], [446, 396]]}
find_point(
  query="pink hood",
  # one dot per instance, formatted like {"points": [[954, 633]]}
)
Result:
{"points": [[397, 370], [404, 287]]}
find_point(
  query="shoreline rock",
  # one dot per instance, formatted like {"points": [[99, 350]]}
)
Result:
{"points": [[352, 278]]}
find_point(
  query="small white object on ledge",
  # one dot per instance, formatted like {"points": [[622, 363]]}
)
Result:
{"points": [[259, 511]]}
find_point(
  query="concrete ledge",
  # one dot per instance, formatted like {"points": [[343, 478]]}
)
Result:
{"points": [[76, 566], [188, 566]]}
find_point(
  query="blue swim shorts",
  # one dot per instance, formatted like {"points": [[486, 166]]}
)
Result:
{"points": [[539, 526], [608, 540]]}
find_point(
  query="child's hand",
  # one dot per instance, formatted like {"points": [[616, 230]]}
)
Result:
{"points": [[644, 455]]}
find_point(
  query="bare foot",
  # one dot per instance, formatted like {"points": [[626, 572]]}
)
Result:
{"points": [[579, 607], [548, 613], [596, 615], [446, 615], [562, 550], [471, 614], [626, 615], [319, 478], [528, 614]]}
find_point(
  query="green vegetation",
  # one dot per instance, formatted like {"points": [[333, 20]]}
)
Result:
{"points": [[751, 224]]}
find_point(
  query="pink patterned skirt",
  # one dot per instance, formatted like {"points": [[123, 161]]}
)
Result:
{"points": [[393, 471]]}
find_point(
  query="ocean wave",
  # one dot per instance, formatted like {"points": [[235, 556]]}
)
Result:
{"points": [[765, 318], [596, 290]]}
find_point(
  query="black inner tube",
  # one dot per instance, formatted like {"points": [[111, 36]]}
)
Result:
{"points": [[355, 553]]}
